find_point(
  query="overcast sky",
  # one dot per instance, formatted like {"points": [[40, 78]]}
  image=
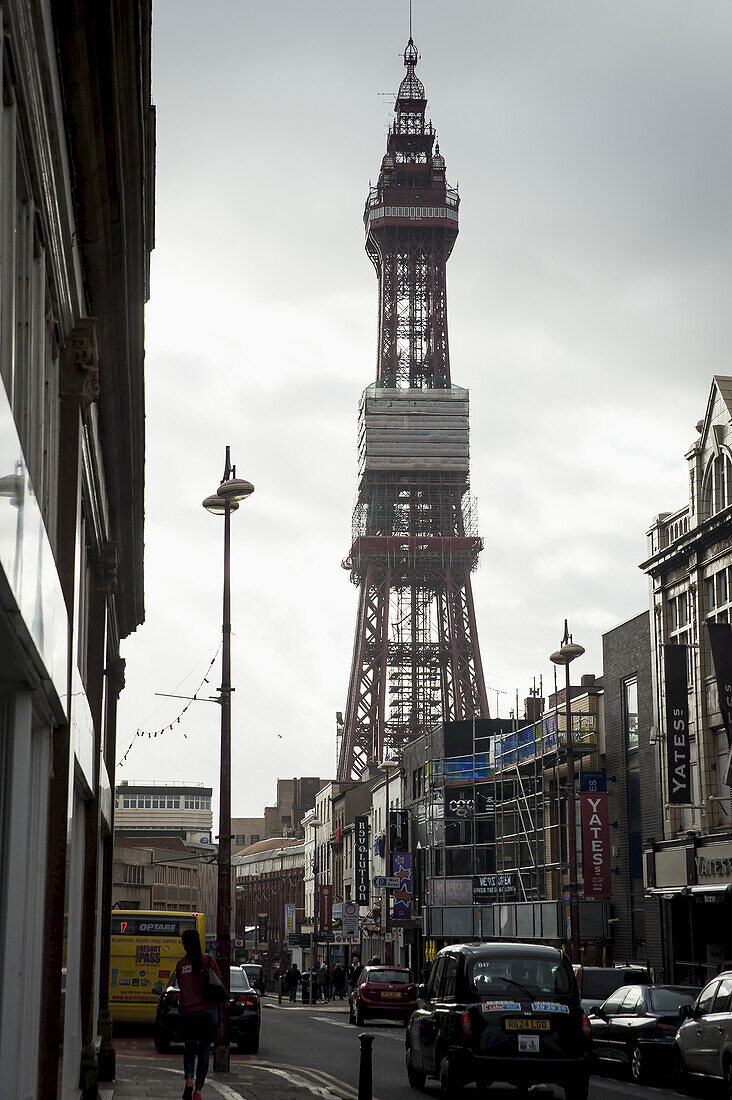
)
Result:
{"points": [[589, 306]]}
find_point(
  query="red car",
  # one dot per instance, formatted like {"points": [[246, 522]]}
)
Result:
{"points": [[383, 991]]}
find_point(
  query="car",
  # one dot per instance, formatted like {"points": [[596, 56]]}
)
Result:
{"points": [[596, 983], [244, 1014], [636, 1026], [256, 976], [500, 1012], [704, 1042], [386, 992]]}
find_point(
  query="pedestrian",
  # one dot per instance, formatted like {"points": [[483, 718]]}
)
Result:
{"points": [[323, 981], [339, 980], [374, 961], [292, 978], [199, 1014], [354, 972]]}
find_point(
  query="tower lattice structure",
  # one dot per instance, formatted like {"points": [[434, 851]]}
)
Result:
{"points": [[416, 659]]}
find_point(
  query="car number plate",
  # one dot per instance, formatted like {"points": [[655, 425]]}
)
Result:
{"points": [[389, 993], [528, 1044], [520, 1024]]}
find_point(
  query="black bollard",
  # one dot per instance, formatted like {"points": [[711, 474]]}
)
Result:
{"points": [[365, 1086]]}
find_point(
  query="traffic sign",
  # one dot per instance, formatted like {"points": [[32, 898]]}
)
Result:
{"points": [[386, 882], [298, 939]]}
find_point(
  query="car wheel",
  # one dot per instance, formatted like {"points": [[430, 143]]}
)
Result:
{"points": [[161, 1040], [250, 1045], [679, 1071], [637, 1064], [577, 1089], [415, 1077], [727, 1074]]}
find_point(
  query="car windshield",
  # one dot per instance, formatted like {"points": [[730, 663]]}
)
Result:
{"points": [[498, 975], [253, 971], [597, 985], [238, 980], [668, 1000], [388, 977]]}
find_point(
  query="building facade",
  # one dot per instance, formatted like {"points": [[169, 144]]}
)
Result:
{"points": [[688, 868], [166, 809], [77, 143]]}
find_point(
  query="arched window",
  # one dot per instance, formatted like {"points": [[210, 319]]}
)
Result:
{"points": [[718, 485]]}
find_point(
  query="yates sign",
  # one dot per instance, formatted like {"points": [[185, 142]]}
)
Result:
{"points": [[361, 826], [595, 834], [678, 749]]}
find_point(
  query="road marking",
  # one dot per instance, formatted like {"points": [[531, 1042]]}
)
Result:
{"points": [[317, 1090], [320, 1075], [226, 1091], [333, 1023]]}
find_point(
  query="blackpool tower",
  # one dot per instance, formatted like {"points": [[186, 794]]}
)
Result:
{"points": [[415, 544]]}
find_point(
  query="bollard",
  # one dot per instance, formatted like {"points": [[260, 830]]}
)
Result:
{"points": [[365, 1086]]}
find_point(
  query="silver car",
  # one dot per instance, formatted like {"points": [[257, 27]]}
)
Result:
{"points": [[704, 1042]]}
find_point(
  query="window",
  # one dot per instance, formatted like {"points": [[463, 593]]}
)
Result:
{"points": [[449, 980], [723, 1000], [127, 803], [435, 975], [630, 713], [133, 873], [254, 838], [155, 803], [704, 1004], [716, 597], [159, 875], [147, 803], [240, 838], [172, 876], [185, 876], [632, 1002]]}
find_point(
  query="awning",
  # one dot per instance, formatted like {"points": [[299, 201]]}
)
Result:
{"points": [[713, 888], [668, 891]]}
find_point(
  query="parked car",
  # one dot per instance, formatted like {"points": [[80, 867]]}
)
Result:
{"points": [[244, 1014], [256, 976], [596, 983], [500, 1012], [704, 1041], [636, 1026], [383, 991]]}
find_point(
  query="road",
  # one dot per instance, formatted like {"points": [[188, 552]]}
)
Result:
{"points": [[315, 1052]]}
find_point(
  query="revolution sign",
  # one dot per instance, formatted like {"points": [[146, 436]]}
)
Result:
{"points": [[361, 842], [678, 748], [595, 834]]}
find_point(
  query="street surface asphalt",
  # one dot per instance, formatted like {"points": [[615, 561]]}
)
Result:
{"points": [[306, 1052]]}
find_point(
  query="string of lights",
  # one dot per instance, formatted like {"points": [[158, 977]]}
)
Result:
{"points": [[176, 721]]}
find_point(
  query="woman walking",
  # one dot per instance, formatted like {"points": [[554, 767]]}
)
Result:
{"points": [[200, 1016]]}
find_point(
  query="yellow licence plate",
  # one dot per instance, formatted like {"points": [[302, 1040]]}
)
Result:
{"points": [[388, 993], [527, 1025]]}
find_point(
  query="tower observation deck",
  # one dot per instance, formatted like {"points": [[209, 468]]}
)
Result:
{"points": [[416, 659]]}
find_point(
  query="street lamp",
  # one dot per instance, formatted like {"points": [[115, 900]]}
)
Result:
{"points": [[564, 656], [388, 766], [314, 823], [226, 500]]}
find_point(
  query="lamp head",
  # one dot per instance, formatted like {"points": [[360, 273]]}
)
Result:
{"points": [[216, 505], [236, 488]]}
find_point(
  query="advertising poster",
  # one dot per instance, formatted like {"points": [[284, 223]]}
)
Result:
{"points": [[595, 834], [720, 641], [402, 897], [325, 902], [289, 918]]}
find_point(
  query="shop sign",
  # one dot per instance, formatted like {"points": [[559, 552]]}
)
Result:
{"points": [[678, 748], [713, 868], [595, 834], [361, 842]]}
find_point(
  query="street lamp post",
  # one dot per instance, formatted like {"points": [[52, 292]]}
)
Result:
{"points": [[229, 494], [564, 656], [387, 766], [313, 941]]}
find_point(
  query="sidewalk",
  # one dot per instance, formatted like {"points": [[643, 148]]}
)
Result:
{"points": [[143, 1078]]}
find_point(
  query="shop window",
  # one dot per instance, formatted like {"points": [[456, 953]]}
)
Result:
{"points": [[630, 713]]}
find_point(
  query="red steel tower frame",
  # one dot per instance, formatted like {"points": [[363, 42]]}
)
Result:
{"points": [[416, 659]]}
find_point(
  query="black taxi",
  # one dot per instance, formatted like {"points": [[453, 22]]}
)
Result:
{"points": [[500, 1012]]}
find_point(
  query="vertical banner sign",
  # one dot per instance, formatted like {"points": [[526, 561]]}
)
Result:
{"points": [[289, 918], [398, 832], [595, 820], [678, 750], [402, 869], [325, 917], [361, 841], [262, 928], [720, 640]]}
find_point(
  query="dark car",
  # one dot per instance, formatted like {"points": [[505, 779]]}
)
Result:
{"points": [[500, 1012], [244, 1014], [704, 1042], [386, 992], [596, 983], [256, 976], [636, 1026]]}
